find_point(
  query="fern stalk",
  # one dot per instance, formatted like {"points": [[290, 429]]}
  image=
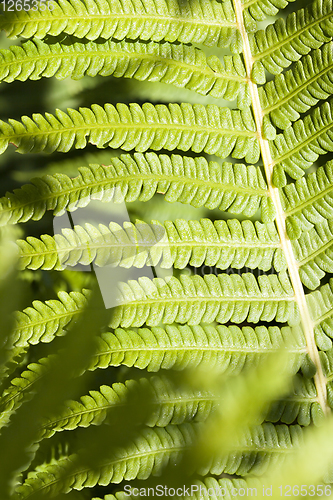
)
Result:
{"points": [[299, 295]]}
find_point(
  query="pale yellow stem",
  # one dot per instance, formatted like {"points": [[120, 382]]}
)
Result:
{"points": [[300, 298]]}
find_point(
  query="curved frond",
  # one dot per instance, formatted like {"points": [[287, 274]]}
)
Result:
{"points": [[180, 243], [300, 406], [320, 305], [288, 95], [201, 21], [192, 300], [169, 405], [300, 145], [308, 201], [224, 348], [147, 454], [20, 389], [45, 320], [233, 187], [285, 41], [314, 253], [181, 65], [212, 129], [41, 323], [162, 445]]}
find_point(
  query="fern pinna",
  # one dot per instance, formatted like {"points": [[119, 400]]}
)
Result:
{"points": [[243, 188]]}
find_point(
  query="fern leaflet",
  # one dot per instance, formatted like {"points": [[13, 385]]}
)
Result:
{"points": [[233, 187], [180, 65], [215, 130], [222, 244], [207, 22], [162, 445]]}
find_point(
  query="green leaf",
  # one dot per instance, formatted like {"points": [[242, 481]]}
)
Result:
{"points": [[227, 349], [21, 389], [193, 300], [309, 200], [169, 405], [222, 244], [215, 130], [294, 92], [119, 429], [207, 22], [300, 145], [320, 304], [231, 187], [59, 381], [164, 445], [45, 320], [293, 228], [285, 41], [314, 254], [180, 65]]}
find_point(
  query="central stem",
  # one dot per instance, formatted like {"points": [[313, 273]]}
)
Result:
{"points": [[306, 320]]}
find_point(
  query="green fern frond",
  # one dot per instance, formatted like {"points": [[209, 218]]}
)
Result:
{"points": [[308, 201], [45, 320], [159, 444], [285, 42], [314, 254], [201, 21], [181, 65], [169, 405], [231, 187], [321, 307], [300, 145], [21, 389], [300, 406], [227, 325], [192, 299], [227, 349], [162, 445], [288, 95], [215, 130], [189, 300], [180, 243]]}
